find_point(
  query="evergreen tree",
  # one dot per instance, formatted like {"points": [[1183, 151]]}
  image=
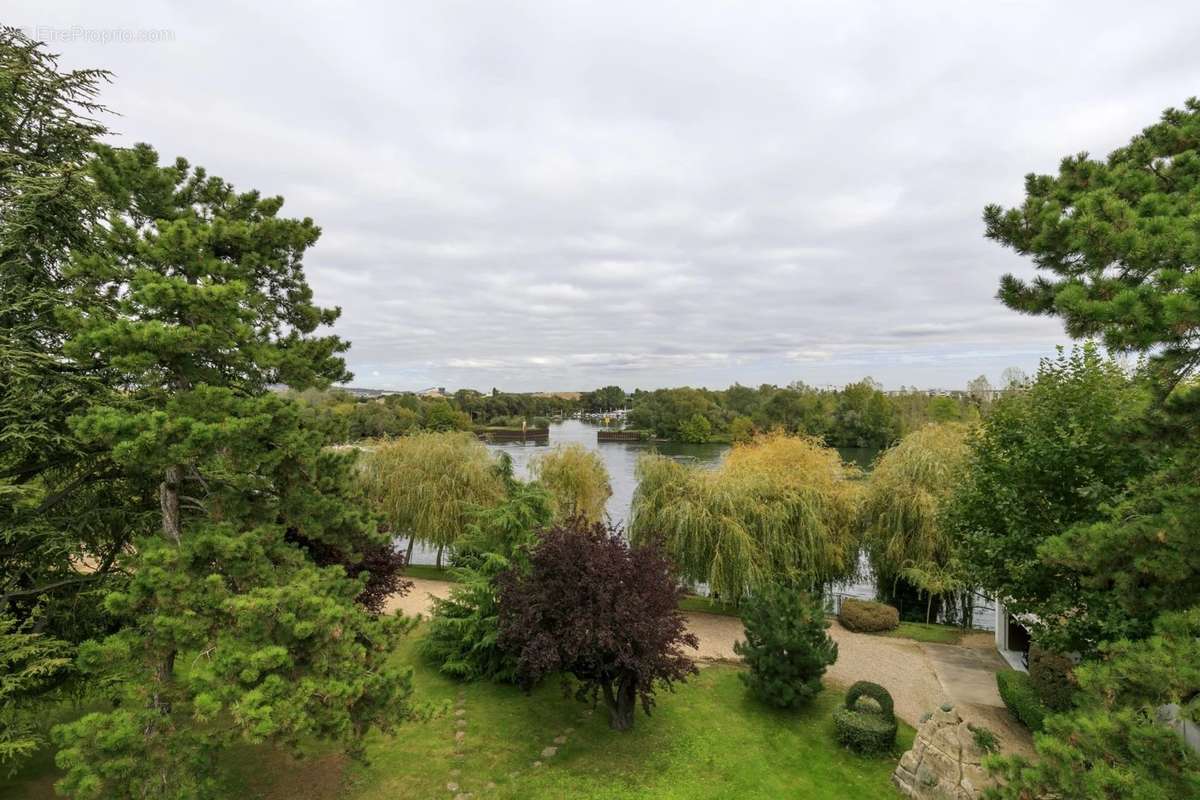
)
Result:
{"points": [[787, 648], [196, 303]]}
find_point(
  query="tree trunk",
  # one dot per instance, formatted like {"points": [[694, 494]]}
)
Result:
{"points": [[439, 557], [168, 500], [622, 705], [928, 608], [412, 539]]}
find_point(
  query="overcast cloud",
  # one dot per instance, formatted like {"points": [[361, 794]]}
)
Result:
{"points": [[560, 195]]}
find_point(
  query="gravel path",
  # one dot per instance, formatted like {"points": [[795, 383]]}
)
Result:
{"points": [[920, 677]]}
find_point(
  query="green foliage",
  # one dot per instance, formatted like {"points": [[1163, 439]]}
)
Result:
{"points": [[463, 635], [192, 303], [985, 739], [441, 416], [671, 413], [867, 616], [866, 727], [1100, 755], [1043, 460], [779, 507], [426, 486], [904, 512], [695, 429], [608, 398], [1052, 677], [56, 494], [29, 664], [741, 430], [576, 479], [787, 648], [1018, 693], [1115, 243]]}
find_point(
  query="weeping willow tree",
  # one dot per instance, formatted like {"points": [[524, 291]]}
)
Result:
{"points": [[577, 481], [780, 506], [903, 526], [427, 486]]}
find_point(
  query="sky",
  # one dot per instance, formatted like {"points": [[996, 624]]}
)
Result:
{"points": [[561, 195]]}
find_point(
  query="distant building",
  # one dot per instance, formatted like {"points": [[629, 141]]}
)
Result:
{"points": [[434, 391]]}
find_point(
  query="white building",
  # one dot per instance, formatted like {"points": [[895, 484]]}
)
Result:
{"points": [[1012, 637]]}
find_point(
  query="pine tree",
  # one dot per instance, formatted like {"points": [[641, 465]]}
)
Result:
{"points": [[787, 648], [196, 303]]}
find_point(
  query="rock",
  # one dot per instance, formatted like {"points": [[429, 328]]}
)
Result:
{"points": [[460, 723], [460, 735], [537, 764], [560, 740], [944, 762], [459, 712], [452, 787], [549, 752]]}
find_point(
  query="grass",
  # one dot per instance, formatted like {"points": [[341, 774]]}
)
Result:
{"points": [[927, 632], [429, 572], [706, 605], [706, 741]]}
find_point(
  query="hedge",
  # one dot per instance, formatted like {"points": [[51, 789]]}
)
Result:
{"points": [[1053, 678], [865, 616], [1018, 693], [866, 730]]}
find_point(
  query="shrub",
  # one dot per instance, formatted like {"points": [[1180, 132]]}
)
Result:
{"points": [[1053, 678], [787, 647], [1017, 692], [866, 728], [985, 738], [866, 616]]}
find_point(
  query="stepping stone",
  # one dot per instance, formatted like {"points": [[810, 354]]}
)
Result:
{"points": [[549, 752], [463, 796], [589, 712], [452, 787], [458, 712], [454, 773], [489, 786], [460, 735], [560, 740], [537, 764], [460, 723]]}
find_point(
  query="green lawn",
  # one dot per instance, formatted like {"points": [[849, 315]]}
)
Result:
{"points": [[706, 605], [708, 740], [927, 632], [429, 572]]}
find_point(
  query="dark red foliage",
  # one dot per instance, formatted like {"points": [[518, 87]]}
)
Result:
{"points": [[382, 562], [592, 607]]}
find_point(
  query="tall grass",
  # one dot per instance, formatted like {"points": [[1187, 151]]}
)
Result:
{"points": [[577, 481], [426, 485], [778, 506]]}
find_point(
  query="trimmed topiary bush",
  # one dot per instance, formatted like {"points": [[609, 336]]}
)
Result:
{"points": [[1053, 678], [1017, 692], [787, 647], [866, 727], [866, 616]]}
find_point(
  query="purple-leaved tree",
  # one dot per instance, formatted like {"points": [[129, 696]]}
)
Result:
{"points": [[592, 607]]}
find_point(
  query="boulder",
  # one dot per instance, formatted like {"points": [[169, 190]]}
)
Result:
{"points": [[944, 762]]}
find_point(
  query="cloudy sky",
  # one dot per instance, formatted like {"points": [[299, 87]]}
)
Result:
{"points": [[559, 195]]}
